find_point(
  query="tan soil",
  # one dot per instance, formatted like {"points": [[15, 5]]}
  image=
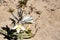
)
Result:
{"points": [[49, 20]]}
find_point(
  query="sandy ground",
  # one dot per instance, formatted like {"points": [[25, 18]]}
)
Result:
{"points": [[48, 20]]}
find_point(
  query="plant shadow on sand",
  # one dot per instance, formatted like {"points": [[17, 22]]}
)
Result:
{"points": [[8, 33]]}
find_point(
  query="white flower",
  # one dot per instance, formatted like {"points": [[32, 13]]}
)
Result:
{"points": [[18, 28], [27, 19]]}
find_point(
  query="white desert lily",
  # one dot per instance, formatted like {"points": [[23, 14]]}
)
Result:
{"points": [[18, 28], [26, 19]]}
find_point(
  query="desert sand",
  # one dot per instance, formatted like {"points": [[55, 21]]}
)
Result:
{"points": [[48, 20]]}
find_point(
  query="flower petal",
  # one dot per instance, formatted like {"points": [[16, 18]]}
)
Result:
{"points": [[15, 27], [18, 30], [27, 19], [22, 28]]}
